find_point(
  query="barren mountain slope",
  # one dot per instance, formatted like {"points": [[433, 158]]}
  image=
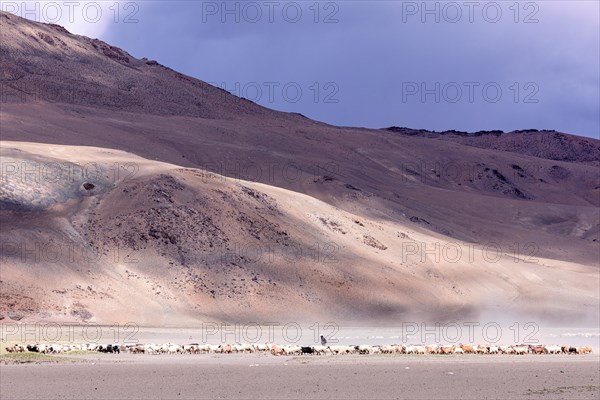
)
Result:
{"points": [[460, 191], [161, 244], [95, 74], [551, 145], [533, 195]]}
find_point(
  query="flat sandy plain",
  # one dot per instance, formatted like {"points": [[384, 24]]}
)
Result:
{"points": [[125, 376]]}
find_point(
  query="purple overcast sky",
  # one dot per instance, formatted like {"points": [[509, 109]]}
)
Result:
{"points": [[464, 65]]}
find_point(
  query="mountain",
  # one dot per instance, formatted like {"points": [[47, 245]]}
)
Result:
{"points": [[198, 205]]}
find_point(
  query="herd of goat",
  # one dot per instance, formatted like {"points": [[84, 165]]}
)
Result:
{"points": [[195, 348]]}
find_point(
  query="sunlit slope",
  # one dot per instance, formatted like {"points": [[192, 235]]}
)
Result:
{"points": [[122, 238]]}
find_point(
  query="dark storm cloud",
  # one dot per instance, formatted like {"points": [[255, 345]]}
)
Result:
{"points": [[370, 63]]}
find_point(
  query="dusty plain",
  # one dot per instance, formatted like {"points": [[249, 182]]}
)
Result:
{"points": [[329, 377]]}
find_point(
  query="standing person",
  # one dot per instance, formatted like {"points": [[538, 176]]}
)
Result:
{"points": [[323, 340]]}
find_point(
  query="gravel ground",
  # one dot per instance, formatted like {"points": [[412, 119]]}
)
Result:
{"points": [[328, 377]]}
